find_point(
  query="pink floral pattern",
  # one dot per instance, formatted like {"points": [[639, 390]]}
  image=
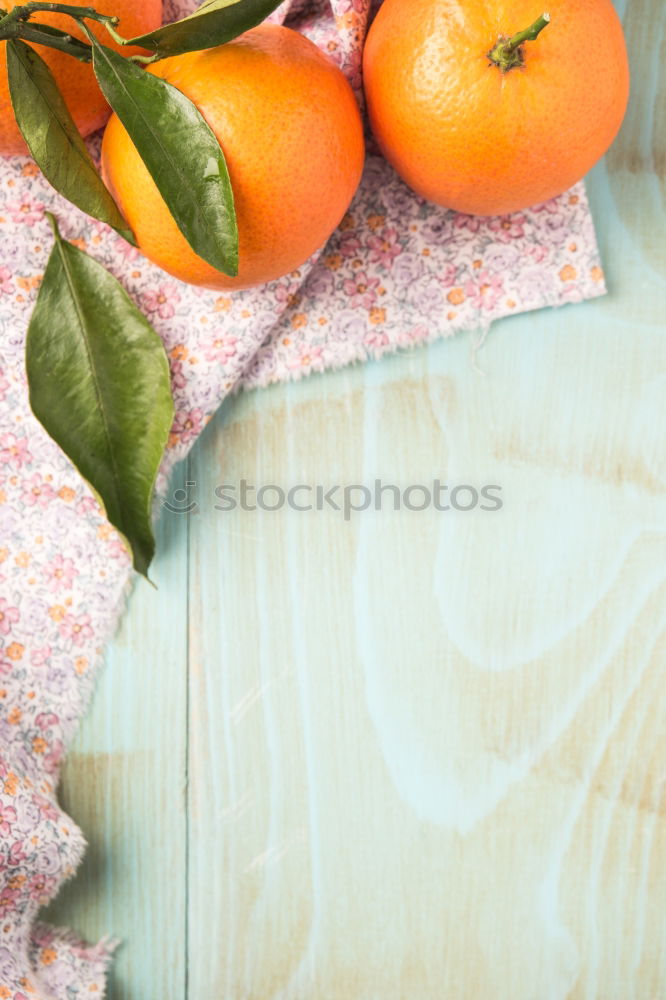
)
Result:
{"points": [[161, 301], [396, 274], [25, 210]]}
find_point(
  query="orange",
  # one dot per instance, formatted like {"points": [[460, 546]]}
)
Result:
{"points": [[474, 137], [288, 123], [76, 79]]}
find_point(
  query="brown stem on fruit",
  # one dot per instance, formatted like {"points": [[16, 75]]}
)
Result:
{"points": [[508, 53]]}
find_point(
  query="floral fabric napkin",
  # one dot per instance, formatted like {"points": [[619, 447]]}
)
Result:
{"points": [[397, 273]]}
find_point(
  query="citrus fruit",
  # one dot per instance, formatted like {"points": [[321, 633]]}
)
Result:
{"points": [[288, 123], [76, 79], [488, 128]]}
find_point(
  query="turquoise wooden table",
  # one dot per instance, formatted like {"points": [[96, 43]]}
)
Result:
{"points": [[410, 756]]}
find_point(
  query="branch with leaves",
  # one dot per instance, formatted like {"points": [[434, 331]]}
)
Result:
{"points": [[98, 374]]}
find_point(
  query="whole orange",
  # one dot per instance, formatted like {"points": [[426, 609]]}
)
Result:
{"points": [[479, 137], [76, 79], [288, 123]]}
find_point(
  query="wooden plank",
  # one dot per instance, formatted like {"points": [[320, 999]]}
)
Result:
{"points": [[124, 784], [425, 747]]}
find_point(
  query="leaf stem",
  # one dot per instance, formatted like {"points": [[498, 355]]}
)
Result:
{"points": [[508, 52], [110, 27], [144, 59], [23, 12], [53, 222], [44, 34]]}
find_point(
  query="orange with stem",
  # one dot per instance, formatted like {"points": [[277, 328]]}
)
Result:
{"points": [[481, 113]]}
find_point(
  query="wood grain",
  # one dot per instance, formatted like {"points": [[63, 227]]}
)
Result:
{"points": [[428, 744], [423, 750]]}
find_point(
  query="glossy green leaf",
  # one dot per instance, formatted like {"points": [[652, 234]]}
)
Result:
{"points": [[213, 23], [53, 138], [99, 383], [181, 152]]}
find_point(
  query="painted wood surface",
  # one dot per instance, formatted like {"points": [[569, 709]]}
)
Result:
{"points": [[412, 755]]}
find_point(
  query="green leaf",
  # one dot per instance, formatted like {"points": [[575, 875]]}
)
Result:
{"points": [[99, 383], [53, 138], [180, 151], [213, 23]]}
